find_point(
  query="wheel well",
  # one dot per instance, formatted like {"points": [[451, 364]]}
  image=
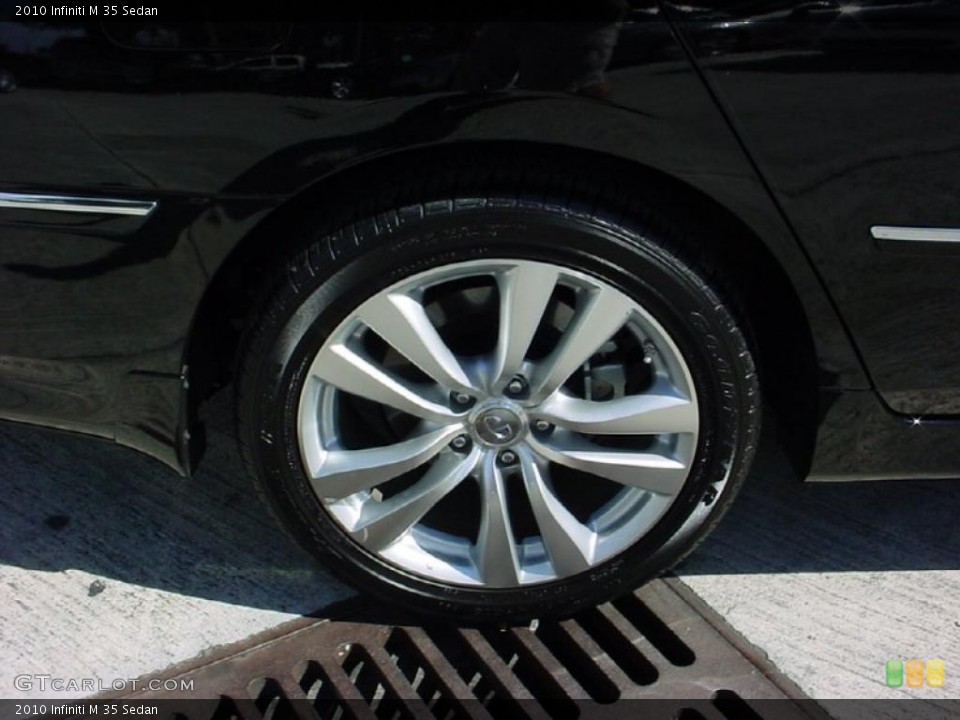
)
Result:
{"points": [[777, 323]]}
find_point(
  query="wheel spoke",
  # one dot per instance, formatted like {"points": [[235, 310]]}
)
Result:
{"points": [[496, 551], [383, 523], [536, 432], [649, 471], [403, 323], [524, 293], [569, 543], [345, 472], [630, 415], [602, 314], [347, 370]]}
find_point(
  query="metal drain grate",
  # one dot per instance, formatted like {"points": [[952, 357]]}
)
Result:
{"points": [[661, 644]]}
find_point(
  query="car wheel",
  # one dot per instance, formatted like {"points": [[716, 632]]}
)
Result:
{"points": [[498, 407]]}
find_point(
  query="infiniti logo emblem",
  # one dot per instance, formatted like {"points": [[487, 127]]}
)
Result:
{"points": [[497, 426]]}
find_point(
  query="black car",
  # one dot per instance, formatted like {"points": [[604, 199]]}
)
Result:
{"points": [[505, 311]]}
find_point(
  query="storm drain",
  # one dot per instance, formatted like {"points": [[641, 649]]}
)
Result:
{"points": [[661, 645]]}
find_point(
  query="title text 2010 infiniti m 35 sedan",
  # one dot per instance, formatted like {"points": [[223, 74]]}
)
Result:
{"points": [[504, 305]]}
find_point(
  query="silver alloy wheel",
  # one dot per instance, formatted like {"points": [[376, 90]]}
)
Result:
{"points": [[577, 425]]}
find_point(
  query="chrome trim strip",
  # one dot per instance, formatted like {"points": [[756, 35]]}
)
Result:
{"points": [[915, 234], [68, 203]]}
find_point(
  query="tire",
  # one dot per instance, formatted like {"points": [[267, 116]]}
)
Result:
{"points": [[575, 538]]}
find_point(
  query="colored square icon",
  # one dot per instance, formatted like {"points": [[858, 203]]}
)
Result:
{"points": [[935, 673], [894, 673], [914, 673]]}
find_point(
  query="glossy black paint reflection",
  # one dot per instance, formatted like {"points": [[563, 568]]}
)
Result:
{"points": [[849, 110], [228, 124], [858, 438]]}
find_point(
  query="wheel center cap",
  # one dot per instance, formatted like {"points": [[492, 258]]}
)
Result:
{"points": [[498, 425]]}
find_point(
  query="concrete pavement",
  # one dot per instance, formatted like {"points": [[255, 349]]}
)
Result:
{"points": [[832, 580], [112, 567]]}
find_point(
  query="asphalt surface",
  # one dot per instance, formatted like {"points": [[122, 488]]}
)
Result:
{"points": [[112, 567]]}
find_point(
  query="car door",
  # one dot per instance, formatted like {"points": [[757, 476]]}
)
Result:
{"points": [[849, 109]]}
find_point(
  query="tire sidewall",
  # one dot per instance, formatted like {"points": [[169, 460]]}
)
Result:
{"points": [[306, 310]]}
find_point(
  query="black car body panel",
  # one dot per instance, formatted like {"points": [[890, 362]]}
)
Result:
{"points": [[849, 110], [99, 312]]}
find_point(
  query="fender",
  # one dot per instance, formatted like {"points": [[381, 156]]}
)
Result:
{"points": [[222, 166]]}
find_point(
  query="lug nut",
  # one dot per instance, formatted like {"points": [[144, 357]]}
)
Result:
{"points": [[459, 442], [542, 426], [508, 457], [460, 398], [516, 386]]}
